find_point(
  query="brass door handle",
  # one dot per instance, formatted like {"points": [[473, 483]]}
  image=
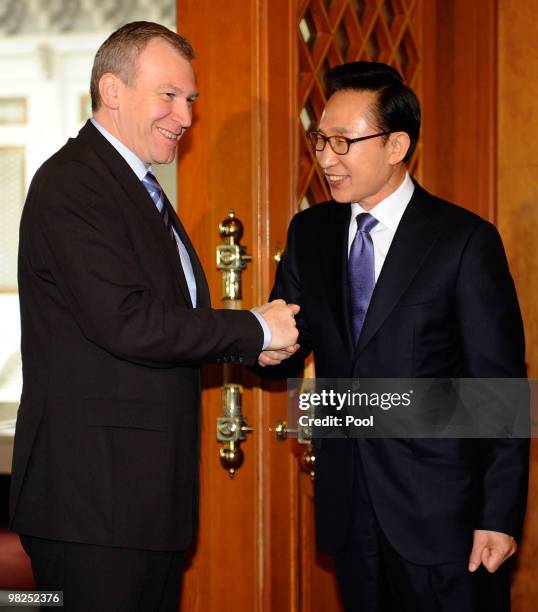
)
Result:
{"points": [[232, 427], [281, 430]]}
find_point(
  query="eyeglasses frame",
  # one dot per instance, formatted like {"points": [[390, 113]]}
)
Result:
{"points": [[349, 141]]}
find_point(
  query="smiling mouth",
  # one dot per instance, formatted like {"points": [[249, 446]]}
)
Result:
{"points": [[170, 135], [335, 179]]}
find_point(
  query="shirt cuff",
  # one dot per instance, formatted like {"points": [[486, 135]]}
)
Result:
{"points": [[265, 327]]}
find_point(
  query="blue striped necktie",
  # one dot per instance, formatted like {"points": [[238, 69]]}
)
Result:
{"points": [[361, 272], [157, 195]]}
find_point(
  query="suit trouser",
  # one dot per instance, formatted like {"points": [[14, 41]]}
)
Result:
{"points": [[106, 579], [373, 577]]}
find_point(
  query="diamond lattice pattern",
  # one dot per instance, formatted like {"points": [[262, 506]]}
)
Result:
{"points": [[331, 32]]}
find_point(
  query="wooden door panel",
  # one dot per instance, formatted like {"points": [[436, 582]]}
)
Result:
{"points": [[217, 171], [330, 33]]}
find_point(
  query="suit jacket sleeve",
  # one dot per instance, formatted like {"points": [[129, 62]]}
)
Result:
{"points": [[83, 246], [287, 287], [492, 336]]}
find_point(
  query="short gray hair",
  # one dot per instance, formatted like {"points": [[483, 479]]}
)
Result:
{"points": [[119, 53]]}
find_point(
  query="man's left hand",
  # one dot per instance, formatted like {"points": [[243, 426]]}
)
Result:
{"points": [[491, 548]]}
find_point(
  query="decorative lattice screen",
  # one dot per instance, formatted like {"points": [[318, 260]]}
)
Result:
{"points": [[331, 32]]}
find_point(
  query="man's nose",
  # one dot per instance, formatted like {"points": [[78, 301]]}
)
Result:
{"points": [[327, 157], [182, 113]]}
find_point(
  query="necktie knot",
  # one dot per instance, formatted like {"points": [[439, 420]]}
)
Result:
{"points": [[150, 180], [365, 222]]}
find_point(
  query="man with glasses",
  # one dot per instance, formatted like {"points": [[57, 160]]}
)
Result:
{"points": [[396, 283]]}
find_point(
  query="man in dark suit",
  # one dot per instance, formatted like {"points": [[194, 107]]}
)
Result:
{"points": [[396, 283], [116, 320]]}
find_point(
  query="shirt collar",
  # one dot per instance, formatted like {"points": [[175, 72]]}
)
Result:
{"points": [[390, 210], [135, 163]]}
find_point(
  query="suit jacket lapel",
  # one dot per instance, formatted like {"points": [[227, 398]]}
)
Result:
{"points": [[334, 236], [202, 289], [416, 233], [141, 199]]}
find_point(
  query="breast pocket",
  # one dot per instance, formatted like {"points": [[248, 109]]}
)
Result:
{"points": [[415, 297]]}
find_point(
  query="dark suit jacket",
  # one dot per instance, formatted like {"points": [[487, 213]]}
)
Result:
{"points": [[444, 306], [106, 445]]}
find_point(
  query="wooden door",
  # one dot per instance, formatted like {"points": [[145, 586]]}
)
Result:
{"points": [[239, 155], [260, 68]]}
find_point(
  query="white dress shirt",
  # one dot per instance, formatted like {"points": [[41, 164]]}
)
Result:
{"points": [[388, 214]]}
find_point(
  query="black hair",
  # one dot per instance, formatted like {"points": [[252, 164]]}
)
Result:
{"points": [[396, 108]]}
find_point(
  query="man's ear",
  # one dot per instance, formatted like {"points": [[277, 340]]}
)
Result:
{"points": [[399, 143], [109, 88]]}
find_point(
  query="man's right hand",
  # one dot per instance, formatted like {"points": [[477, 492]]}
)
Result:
{"points": [[280, 319]]}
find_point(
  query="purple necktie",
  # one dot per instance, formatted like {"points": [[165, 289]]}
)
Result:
{"points": [[360, 272]]}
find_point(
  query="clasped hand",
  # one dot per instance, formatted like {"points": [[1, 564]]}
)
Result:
{"points": [[280, 318]]}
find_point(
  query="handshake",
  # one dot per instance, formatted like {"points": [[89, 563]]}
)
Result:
{"points": [[280, 318]]}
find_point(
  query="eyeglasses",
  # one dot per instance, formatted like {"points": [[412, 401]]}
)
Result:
{"points": [[339, 144]]}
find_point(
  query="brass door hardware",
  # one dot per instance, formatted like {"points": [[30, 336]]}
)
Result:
{"points": [[232, 427], [304, 436], [232, 259]]}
